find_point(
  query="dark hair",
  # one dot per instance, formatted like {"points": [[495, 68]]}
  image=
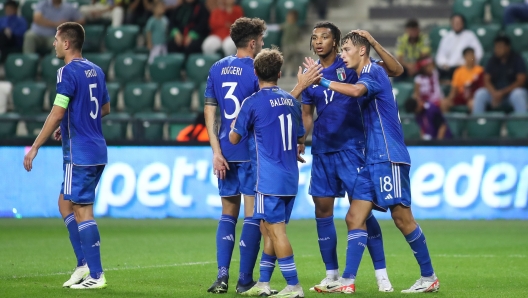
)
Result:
{"points": [[357, 40], [412, 23], [243, 30], [336, 33], [73, 32], [268, 64], [502, 38], [11, 3], [410, 106], [461, 16], [467, 50]]}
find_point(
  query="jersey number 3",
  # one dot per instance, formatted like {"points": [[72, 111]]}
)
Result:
{"points": [[94, 99], [230, 95]]}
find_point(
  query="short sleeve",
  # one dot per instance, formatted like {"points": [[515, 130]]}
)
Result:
{"points": [[39, 7], [149, 25], [209, 89], [458, 80], [106, 97], [306, 97], [368, 79], [65, 82], [300, 131], [243, 120]]}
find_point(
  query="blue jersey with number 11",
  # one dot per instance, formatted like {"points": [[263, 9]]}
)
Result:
{"points": [[230, 81]]}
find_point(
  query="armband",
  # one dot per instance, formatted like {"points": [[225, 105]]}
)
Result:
{"points": [[61, 101]]}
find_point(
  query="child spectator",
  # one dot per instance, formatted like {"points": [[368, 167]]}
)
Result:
{"points": [[12, 29], [220, 21], [426, 83], [430, 119], [156, 29], [289, 43]]}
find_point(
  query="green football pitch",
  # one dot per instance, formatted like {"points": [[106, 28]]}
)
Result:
{"points": [[176, 258]]}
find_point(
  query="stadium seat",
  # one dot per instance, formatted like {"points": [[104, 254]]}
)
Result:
{"points": [[486, 126], [93, 37], [26, 10], [102, 60], [166, 68], [34, 125], [472, 10], [28, 97], [150, 126], [283, 6], [2, 2], [456, 123], [113, 92], [130, 67], [21, 67], [518, 34], [8, 125], [436, 34], [257, 9], [115, 126], [524, 55], [486, 34], [517, 126], [49, 66], [176, 97], [198, 65], [411, 129], [402, 92], [122, 38], [201, 96], [497, 8], [485, 58], [139, 97], [272, 37]]}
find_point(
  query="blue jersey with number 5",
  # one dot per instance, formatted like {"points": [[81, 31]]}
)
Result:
{"points": [[82, 138], [230, 81]]}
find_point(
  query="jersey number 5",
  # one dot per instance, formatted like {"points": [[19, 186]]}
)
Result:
{"points": [[94, 99], [286, 134], [230, 95]]}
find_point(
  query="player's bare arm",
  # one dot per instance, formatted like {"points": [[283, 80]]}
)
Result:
{"points": [[220, 164], [234, 137], [388, 62], [301, 145], [309, 77], [52, 122], [105, 109]]}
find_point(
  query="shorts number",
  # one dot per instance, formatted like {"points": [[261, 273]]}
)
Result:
{"points": [[385, 184], [94, 99], [230, 95]]}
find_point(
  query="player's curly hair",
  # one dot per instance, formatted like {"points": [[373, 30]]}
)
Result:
{"points": [[73, 32], [336, 33], [243, 30], [268, 64], [357, 40]]}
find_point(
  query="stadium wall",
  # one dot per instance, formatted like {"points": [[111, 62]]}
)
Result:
{"points": [[448, 182]]}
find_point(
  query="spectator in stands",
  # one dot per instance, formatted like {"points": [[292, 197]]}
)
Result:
{"points": [[220, 21], [322, 8], [291, 33], [170, 6], [104, 10], [430, 119], [504, 81], [466, 80], [515, 12], [156, 29], [189, 27], [410, 47], [12, 29], [449, 55], [47, 16], [426, 83], [137, 11]]}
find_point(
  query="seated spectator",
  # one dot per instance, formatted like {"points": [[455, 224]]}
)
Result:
{"points": [[188, 27], [430, 119], [220, 21], [103, 10], [504, 81], [12, 29], [156, 29], [410, 47], [466, 80], [47, 16], [426, 83], [137, 11], [515, 12], [449, 55], [291, 33]]}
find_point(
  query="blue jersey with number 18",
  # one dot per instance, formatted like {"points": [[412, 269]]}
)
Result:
{"points": [[230, 81], [83, 83]]}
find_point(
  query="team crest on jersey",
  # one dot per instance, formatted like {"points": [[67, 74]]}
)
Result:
{"points": [[341, 75]]}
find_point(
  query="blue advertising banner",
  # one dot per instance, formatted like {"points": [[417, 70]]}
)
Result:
{"points": [[158, 182]]}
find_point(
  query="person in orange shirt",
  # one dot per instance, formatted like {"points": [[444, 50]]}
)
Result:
{"points": [[220, 21], [466, 80]]}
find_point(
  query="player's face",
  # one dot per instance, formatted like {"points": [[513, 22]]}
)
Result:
{"points": [[350, 54], [58, 44], [259, 44], [322, 41]]}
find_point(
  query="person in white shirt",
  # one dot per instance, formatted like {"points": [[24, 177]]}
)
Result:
{"points": [[449, 55]]}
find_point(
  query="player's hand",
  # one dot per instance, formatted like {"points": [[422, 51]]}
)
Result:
{"points": [[178, 39], [28, 159], [311, 76], [366, 35], [300, 151], [57, 134], [220, 165], [309, 62]]}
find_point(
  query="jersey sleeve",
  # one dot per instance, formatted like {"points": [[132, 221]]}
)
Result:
{"points": [[209, 89], [106, 97], [306, 97], [244, 119], [369, 81], [65, 87]]}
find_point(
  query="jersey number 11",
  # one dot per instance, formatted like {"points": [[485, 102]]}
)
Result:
{"points": [[286, 134]]}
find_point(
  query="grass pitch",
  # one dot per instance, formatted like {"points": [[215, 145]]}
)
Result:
{"points": [[176, 258]]}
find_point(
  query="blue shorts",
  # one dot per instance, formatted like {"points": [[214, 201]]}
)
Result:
{"points": [[239, 179], [334, 173], [273, 209], [80, 182], [384, 184]]}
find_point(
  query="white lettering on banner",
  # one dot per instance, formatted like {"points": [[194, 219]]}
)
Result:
{"points": [[106, 196], [179, 172], [521, 197], [428, 178], [473, 172], [146, 185], [493, 190]]}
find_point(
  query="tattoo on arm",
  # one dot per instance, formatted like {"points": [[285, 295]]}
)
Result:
{"points": [[216, 128]]}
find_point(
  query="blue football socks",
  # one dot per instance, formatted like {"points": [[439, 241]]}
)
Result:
{"points": [[91, 244], [326, 232], [225, 242], [289, 271], [249, 249], [75, 239], [357, 241], [267, 265], [375, 243], [416, 240]]}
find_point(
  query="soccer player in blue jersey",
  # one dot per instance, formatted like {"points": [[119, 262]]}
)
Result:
{"points": [[383, 183], [271, 120], [338, 143], [82, 100]]}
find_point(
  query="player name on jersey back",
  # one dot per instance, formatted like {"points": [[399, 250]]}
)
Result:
{"points": [[281, 102], [232, 70]]}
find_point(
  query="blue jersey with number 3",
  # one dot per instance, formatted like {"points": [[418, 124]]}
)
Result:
{"points": [[82, 138], [230, 81], [272, 119]]}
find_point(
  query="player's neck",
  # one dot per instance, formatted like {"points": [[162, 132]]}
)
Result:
{"points": [[70, 56], [245, 52], [364, 61], [328, 60], [263, 84]]}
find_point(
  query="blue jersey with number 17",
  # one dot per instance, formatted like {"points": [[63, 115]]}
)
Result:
{"points": [[83, 83], [230, 81]]}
